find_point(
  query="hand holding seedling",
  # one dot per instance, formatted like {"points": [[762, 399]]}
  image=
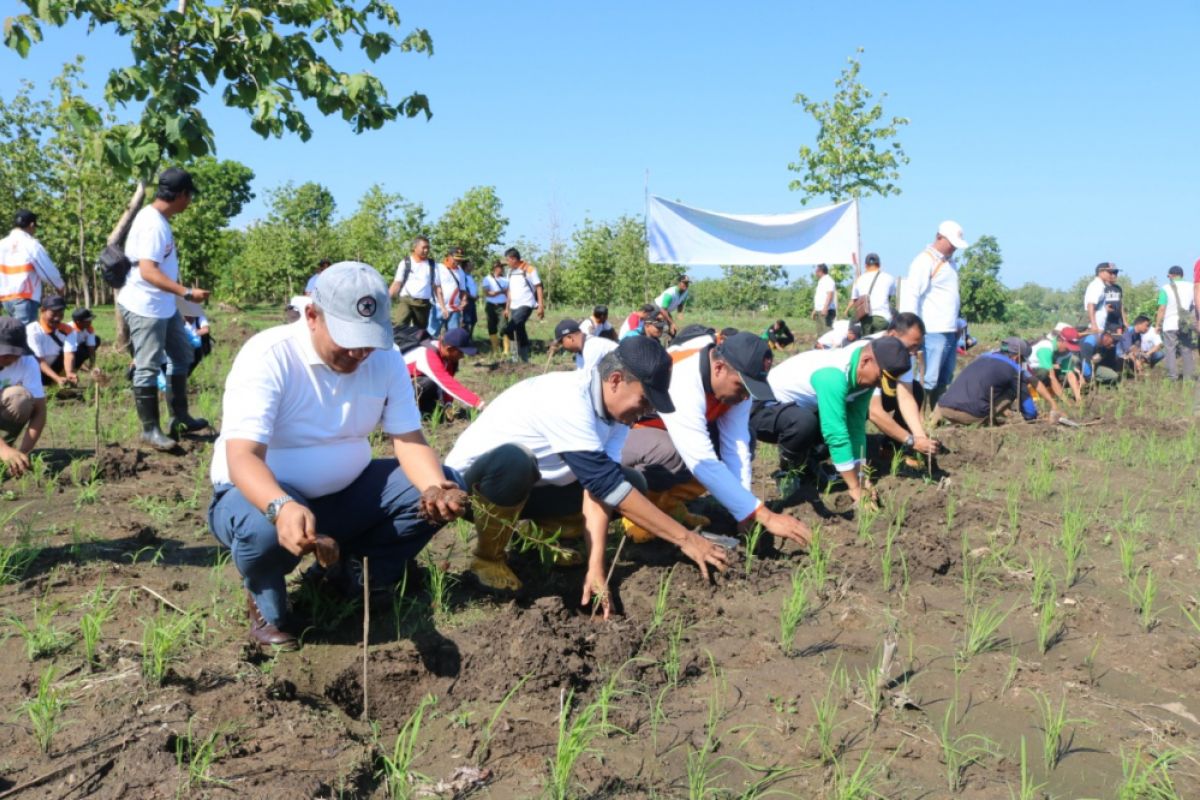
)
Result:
{"points": [[443, 502], [595, 589], [704, 553], [296, 528]]}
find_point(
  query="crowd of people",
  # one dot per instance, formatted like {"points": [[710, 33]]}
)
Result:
{"points": [[656, 414]]}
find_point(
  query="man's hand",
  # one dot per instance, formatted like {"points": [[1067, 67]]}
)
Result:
{"points": [[73, 378], [704, 553], [594, 586], [926, 445], [784, 526], [60, 381], [200, 295], [16, 461], [443, 502], [541, 312], [296, 528]]}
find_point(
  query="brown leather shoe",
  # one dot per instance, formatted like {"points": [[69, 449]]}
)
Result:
{"points": [[263, 633]]}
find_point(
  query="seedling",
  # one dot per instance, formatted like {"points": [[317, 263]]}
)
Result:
{"points": [[485, 739], [825, 708], [1128, 545], [1054, 721], [1070, 541], [164, 639], [1147, 776], [42, 639], [1028, 790], [440, 581], [959, 753], [951, 508], [197, 757], [397, 770], [753, 537], [1050, 628], [93, 620], [575, 735], [45, 710], [1141, 597], [795, 607], [982, 625], [885, 559], [671, 659], [700, 762], [662, 600]]}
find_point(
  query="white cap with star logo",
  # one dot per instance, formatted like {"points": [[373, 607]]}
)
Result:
{"points": [[358, 311]]}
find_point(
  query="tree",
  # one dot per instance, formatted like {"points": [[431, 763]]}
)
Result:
{"points": [[381, 230], [983, 297], [473, 222], [751, 287], [206, 244], [855, 154]]}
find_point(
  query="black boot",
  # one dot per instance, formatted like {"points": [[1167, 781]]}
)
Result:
{"points": [[177, 399], [145, 400]]}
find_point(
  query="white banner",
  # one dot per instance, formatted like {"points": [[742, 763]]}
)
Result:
{"points": [[679, 234]]}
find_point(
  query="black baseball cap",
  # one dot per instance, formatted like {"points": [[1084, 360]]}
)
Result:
{"points": [[600, 311], [54, 303], [82, 315], [12, 337], [565, 328], [24, 218], [174, 179], [460, 339], [651, 365], [893, 359], [1016, 346], [872, 259], [1106, 266], [457, 253], [751, 357], [1176, 270]]}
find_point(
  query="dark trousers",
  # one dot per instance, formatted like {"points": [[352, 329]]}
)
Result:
{"points": [[470, 317], [795, 429], [892, 406], [516, 326], [873, 323], [495, 313], [429, 395]]}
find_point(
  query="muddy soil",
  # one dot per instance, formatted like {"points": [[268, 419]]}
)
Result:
{"points": [[688, 690]]}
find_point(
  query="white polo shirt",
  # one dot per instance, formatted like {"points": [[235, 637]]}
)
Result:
{"points": [[453, 283], [314, 421], [49, 346], [419, 285], [23, 372], [590, 327], [1185, 291], [1094, 295], [594, 349], [885, 288], [150, 239], [824, 286], [550, 414], [520, 287], [931, 291]]}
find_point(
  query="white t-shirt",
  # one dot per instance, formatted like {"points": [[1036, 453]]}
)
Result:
{"points": [[590, 327], [84, 337], [835, 337], [671, 299], [45, 346], [931, 292], [418, 286], [150, 239], [453, 283], [23, 372], [594, 349], [26, 266], [1166, 297], [549, 414], [520, 287], [824, 286], [885, 288], [1150, 339], [1094, 295], [314, 421], [493, 284]]}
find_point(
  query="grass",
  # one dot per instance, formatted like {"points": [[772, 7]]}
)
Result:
{"points": [[396, 769], [1050, 628], [197, 756], [1070, 542], [1054, 723], [959, 753], [42, 639], [753, 537], [576, 731], [45, 710], [1146, 776], [671, 663], [885, 558], [1142, 595], [795, 607], [1028, 790], [485, 737], [99, 610], [165, 638], [982, 627], [825, 722]]}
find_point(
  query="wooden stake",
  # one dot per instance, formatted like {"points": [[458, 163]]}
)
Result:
{"points": [[96, 389], [611, 570], [366, 634]]}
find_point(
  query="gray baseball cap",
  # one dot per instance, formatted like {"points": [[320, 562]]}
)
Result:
{"points": [[357, 308]]}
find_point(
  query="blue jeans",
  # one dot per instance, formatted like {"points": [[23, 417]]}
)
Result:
{"points": [[437, 321], [154, 339], [941, 354], [375, 516], [22, 309]]}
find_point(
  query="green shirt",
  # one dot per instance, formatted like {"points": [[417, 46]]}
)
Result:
{"points": [[843, 407]]}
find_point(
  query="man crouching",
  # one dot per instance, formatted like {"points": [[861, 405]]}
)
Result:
{"points": [[548, 449], [292, 471]]}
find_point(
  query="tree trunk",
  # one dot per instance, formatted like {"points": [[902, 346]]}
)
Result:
{"points": [[117, 237], [83, 270]]}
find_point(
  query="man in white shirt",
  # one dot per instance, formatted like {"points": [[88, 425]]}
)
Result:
{"points": [[824, 298], [414, 284], [495, 291], [293, 467], [598, 325], [703, 446], [524, 295], [672, 300], [86, 340], [22, 398], [878, 288], [588, 350], [148, 305], [1176, 318], [53, 343], [931, 292], [25, 269], [449, 293], [559, 437]]}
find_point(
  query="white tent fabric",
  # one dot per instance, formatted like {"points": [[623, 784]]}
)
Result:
{"points": [[679, 234]]}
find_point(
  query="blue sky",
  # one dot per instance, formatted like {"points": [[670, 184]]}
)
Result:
{"points": [[1066, 130]]}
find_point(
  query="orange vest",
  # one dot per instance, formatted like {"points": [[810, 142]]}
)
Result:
{"points": [[713, 408]]}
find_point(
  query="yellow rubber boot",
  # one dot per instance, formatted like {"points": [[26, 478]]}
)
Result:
{"points": [[494, 525], [568, 527], [637, 533], [679, 495], [507, 345], [495, 340]]}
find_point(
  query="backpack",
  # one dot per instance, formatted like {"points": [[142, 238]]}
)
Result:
{"points": [[114, 266], [408, 271], [860, 307], [409, 337]]}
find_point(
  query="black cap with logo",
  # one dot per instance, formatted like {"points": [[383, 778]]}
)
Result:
{"points": [[651, 365], [750, 356], [893, 359], [176, 180], [54, 303], [13, 341], [564, 329]]}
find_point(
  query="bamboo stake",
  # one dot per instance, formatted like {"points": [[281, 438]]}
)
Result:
{"points": [[366, 634]]}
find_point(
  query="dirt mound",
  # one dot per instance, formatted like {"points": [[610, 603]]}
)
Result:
{"points": [[119, 463]]}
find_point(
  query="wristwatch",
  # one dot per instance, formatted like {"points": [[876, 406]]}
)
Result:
{"points": [[910, 441], [274, 507], [187, 295]]}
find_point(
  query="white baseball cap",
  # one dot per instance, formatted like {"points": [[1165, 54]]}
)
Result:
{"points": [[357, 308], [952, 231]]}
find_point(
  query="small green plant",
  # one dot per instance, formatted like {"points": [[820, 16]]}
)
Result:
{"points": [[865, 518], [1012, 504], [825, 722], [885, 558], [982, 626], [1028, 789], [165, 637], [485, 738], [159, 511], [440, 580], [1128, 546], [662, 601], [701, 777], [753, 537], [795, 607], [92, 621], [42, 639], [1070, 542], [671, 658], [88, 494], [45, 710], [960, 752], [1043, 585], [1141, 596], [1054, 722], [951, 509], [197, 756], [396, 769], [862, 783], [1147, 776], [576, 731], [1050, 627]]}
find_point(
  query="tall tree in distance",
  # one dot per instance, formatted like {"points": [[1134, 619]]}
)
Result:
{"points": [[476, 223], [984, 298], [856, 153]]}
